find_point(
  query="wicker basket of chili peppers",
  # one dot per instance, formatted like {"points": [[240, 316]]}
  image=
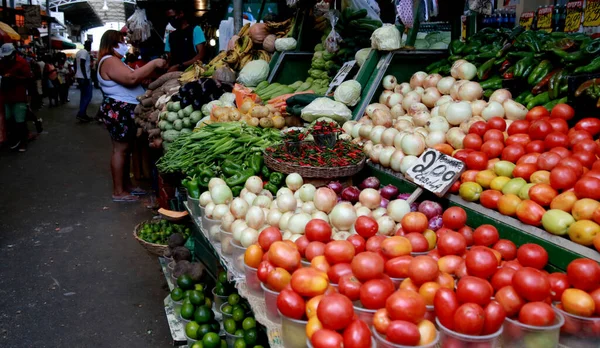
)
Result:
{"points": [[313, 161]]}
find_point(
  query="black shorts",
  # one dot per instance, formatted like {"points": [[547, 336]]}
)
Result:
{"points": [[118, 117]]}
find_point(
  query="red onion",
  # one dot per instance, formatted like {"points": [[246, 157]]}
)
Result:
{"points": [[414, 207], [430, 209], [370, 182], [389, 191], [404, 196], [384, 202], [351, 194], [336, 187], [435, 223]]}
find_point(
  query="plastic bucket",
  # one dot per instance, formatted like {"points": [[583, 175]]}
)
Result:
{"points": [[252, 280], [238, 252], [305, 263], [194, 205], [218, 300], [293, 332], [271, 303], [491, 341], [364, 314], [383, 343], [226, 238], [373, 343], [210, 226], [230, 339], [397, 282], [517, 334], [578, 331]]}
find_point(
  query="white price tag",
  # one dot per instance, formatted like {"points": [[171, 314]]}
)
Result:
{"points": [[435, 171], [341, 75]]}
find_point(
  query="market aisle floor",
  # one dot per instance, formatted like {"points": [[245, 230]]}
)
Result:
{"points": [[71, 273]]}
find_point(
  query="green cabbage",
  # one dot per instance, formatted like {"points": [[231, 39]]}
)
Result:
{"points": [[285, 44], [348, 92], [386, 38], [362, 55], [253, 73], [207, 108], [325, 107]]}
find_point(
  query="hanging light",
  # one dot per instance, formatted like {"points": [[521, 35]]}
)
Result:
{"points": [[105, 7], [212, 42], [217, 32]]}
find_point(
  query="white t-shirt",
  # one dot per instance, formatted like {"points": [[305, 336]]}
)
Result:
{"points": [[83, 54]]}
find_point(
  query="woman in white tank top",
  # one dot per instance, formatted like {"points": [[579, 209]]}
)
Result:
{"points": [[120, 86]]}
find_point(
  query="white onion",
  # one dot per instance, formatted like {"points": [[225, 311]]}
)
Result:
{"points": [[455, 66], [470, 91], [347, 127], [386, 226], [455, 137], [382, 117], [294, 237], [413, 144], [435, 111], [435, 138], [385, 157], [284, 191], [467, 71], [409, 99], [356, 130], [284, 220], [493, 109], [458, 112], [308, 208], [220, 210], [422, 131], [389, 82], [404, 125], [379, 212], [365, 131], [396, 160], [254, 184], [226, 221], [249, 197], [416, 107], [262, 201], [443, 109], [387, 138], [397, 111], [237, 223], [273, 217], [325, 199], [403, 88], [342, 216], [445, 99], [375, 153], [266, 193], [286, 203], [445, 83], [365, 120], [205, 198], [238, 229], [208, 210], [375, 106], [215, 182], [514, 111], [298, 222], [432, 80], [368, 147], [421, 118], [477, 107], [383, 97], [417, 79], [243, 192], [398, 139], [376, 134], [420, 90], [455, 87], [255, 217], [465, 126], [320, 215], [286, 235], [397, 208], [394, 99], [438, 123], [307, 192], [294, 181], [407, 162], [221, 194], [363, 211], [500, 95], [249, 237], [431, 96]]}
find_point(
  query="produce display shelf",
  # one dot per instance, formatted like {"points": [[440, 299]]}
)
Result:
{"points": [[175, 326], [561, 250]]}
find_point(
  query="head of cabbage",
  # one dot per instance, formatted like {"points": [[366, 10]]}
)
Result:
{"points": [[386, 38], [348, 92], [253, 73]]}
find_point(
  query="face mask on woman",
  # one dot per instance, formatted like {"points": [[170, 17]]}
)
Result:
{"points": [[122, 49]]}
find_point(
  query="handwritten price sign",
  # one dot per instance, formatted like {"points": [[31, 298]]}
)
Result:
{"points": [[544, 21], [591, 16], [526, 20], [573, 18], [435, 171]]}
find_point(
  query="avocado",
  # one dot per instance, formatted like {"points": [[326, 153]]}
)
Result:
{"points": [[176, 239], [196, 271], [182, 267], [181, 253]]}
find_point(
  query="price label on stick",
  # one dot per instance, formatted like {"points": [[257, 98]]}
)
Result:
{"points": [[341, 75], [435, 172]]}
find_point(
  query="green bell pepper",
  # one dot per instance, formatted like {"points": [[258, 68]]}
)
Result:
{"points": [[539, 99], [236, 190], [192, 188], [204, 174], [494, 82], [229, 168], [456, 47], [255, 163], [265, 172], [593, 66], [239, 178], [271, 187], [484, 69], [276, 178]]}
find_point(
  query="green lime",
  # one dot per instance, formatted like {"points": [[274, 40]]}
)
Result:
{"points": [[177, 294], [198, 344], [238, 314], [239, 343], [233, 299], [191, 329], [187, 293], [186, 301], [203, 315], [185, 282], [223, 343], [199, 287], [249, 323], [208, 302], [229, 325], [204, 329], [239, 332], [227, 309], [211, 340], [187, 311], [258, 347], [220, 290], [196, 297], [250, 337], [222, 277], [214, 326]]}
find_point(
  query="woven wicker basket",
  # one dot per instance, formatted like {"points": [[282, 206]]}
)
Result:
{"points": [[152, 248], [313, 172]]}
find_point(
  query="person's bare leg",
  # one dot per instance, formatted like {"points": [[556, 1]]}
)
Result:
{"points": [[117, 166], [127, 185]]}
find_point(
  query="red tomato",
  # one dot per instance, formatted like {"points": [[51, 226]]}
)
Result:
{"points": [[563, 152], [485, 235], [518, 127], [548, 160], [596, 297], [493, 134], [325, 338], [349, 286], [477, 160], [492, 148], [475, 290], [318, 230], [497, 123], [478, 128], [367, 265], [268, 236], [358, 242], [542, 194], [472, 141], [403, 333], [375, 292], [291, 304], [537, 314], [506, 248], [418, 241], [414, 222], [535, 146], [398, 266], [503, 277], [301, 244], [559, 282], [335, 311], [537, 113], [314, 249], [509, 300], [450, 263], [532, 255], [558, 125], [518, 139], [524, 170], [445, 304], [467, 232], [366, 226], [489, 199], [335, 272], [454, 218], [586, 158], [576, 136], [339, 251], [357, 335], [494, 318], [481, 262], [512, 153], [562, 178], [423, 269], [584, 274], [564, 111], [461, 154], [573, 163], [469, 319], [531, 284], [469, 175], [514, 264], [452, 243], [586, 145], [589, 124], [556, 139], [588, 187], [406, 305], [263, 270], [538, 130], [381, 320], [374, 243], [529, 158]]}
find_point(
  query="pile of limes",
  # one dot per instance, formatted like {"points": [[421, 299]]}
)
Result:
{"points": [[159, 231], [238, 321], [223, 287]]}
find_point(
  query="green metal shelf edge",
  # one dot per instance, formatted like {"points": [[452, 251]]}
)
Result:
{"points": [[561, 250]]}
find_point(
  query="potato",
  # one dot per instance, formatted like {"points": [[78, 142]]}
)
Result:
{"points": [[247, 105], [278, 122], [235, 115], [253, 121], [259, 111], [266, 122]]}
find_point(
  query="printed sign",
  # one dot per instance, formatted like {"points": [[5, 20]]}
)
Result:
{"points": [[544, 18], [435, 171], [591, 14], [33, 17], [573, 18], [341, 75], [526, 20]]}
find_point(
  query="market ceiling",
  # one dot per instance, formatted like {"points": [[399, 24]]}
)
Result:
{"points": [[93, 13]]}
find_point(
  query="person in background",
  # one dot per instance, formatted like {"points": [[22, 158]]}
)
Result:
{"points": [[36, 91], [16, 77], [186, 44], [83, 76], [121, 85], [63, 78], [50, 74]]}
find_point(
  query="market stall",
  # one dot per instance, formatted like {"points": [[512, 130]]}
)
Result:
{"points": [[445, 192]]}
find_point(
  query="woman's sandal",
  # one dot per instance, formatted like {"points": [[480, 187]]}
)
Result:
{"points": [[126, 198], [138, 191]]}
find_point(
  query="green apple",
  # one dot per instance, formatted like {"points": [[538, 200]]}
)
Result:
{"points": [[470, 191], [504, 168], [524, 191], [557, 221], [513, 186]]}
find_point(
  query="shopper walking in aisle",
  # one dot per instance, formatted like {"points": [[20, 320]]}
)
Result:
{"points": [[63, 75], [186, 44], [121, 85], [83, 76], [50, 76], [16, 76]]}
